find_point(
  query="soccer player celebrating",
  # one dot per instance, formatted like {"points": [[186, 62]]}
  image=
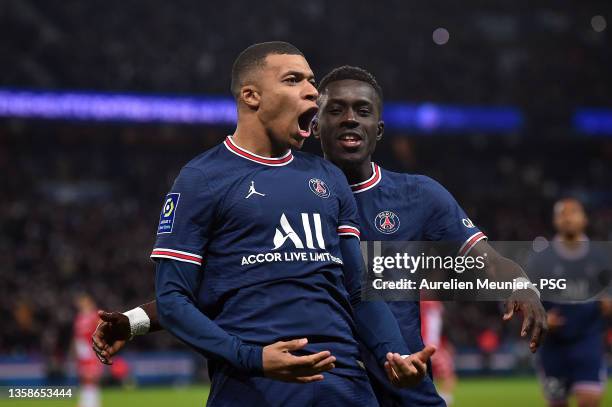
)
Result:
{"points": [[403, 207], [349, 125], [258, 258], [572, 361]]}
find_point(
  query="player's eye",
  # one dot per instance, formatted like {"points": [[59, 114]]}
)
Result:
{"points": [[364, 111], [291, 79]]}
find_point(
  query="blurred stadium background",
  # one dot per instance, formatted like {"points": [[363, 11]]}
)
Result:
{"points": [[506, 103]]}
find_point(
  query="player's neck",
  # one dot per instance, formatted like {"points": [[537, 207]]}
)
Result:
{"points": [[356, 173], [254, 139]]}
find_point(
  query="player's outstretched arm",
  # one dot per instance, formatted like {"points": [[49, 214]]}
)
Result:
{"points": [[377, 328], [527, 301], [176, 289], [117, 328]]}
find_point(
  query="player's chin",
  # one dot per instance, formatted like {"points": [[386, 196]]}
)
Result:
{"points": [[296, 142], [349, 156]]}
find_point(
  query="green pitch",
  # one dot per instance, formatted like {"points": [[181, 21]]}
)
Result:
{"points": [[470, 393]]}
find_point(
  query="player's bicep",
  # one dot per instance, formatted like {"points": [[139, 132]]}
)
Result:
{"points": [[446, 220], [185, 219]]}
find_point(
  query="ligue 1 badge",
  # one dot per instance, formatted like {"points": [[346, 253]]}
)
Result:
{"points": [[318, 187], [387, 222], [166, 219]]}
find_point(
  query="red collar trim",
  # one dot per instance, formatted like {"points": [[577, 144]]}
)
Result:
{"points": [[272, 161], [370, 182]]}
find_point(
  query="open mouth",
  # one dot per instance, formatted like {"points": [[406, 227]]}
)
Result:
{"points": [[305, 120], [350, 140]]}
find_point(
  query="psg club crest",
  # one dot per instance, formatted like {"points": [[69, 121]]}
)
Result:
{"points": [[387, 222], [318, 187]]}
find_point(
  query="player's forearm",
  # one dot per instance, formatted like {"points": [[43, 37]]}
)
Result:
{"points": [[150, 308], [176, 285], [376, 325], [496, 265], [378, 330]]}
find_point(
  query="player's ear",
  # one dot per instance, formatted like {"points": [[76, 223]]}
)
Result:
{"points": [[316, 131], [250, 96], [380, 130]]}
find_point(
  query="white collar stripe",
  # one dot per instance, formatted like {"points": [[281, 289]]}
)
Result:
{"points": [[370, 182], [271, 161]]}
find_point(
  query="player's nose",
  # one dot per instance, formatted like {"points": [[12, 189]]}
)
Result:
{"points": [[349, 120], [311, 93]]}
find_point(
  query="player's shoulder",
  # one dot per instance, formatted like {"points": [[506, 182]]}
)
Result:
{"points": [[424, 184], [207, 165], [317, 163]]}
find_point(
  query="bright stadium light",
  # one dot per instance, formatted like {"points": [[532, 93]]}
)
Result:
{"points": [[441, 36], [599, 23]]}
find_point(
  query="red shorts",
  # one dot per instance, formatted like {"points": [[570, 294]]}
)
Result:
{"points": [[442, 363], [90, 369]]}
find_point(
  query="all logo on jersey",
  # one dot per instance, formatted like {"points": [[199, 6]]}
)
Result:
{"points": [[295, 243], [467, 222], [319, 187], [387, 222], [166, 219], [286, 232]]}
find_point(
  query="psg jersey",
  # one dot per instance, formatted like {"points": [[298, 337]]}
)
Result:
{"points": [[581, 313], [406, 207], [266, 234]]}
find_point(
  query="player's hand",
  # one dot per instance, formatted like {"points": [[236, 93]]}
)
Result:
{"points": [[280, 364], [110, 335], [534, 316], [409, 371]]}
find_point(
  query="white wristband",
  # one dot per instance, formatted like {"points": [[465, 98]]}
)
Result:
{"points": [[139, 321], [524, 282]]}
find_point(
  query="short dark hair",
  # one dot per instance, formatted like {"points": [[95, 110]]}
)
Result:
{"points": [[254, 57], [348, 72]]}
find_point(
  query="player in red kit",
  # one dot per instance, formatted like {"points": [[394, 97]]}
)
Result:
{"points": [[88, 368], [442, 364]]}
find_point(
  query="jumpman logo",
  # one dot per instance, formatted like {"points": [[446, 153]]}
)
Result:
{"points": [[252, 191]]}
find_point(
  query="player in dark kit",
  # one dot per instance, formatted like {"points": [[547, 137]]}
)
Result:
{"points": [[401, 207], [414, 207], [349, 126], [572, 360], [259, 245]]}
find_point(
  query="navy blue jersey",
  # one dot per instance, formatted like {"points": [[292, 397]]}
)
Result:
{"points": [[406, 207], [266, 232], [581, 269]]}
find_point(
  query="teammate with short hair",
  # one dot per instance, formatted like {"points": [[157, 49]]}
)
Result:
{"points": [[241, 275], [414, 208], [402, 207], [572, 360]]}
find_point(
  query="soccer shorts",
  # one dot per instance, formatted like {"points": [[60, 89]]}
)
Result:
{"points": [[568, 368], [442, 363], [230, 388]]}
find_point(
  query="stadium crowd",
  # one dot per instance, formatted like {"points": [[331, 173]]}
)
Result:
{"points": [[496, 54]]}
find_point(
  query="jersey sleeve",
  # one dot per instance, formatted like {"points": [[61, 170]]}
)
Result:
{"points": [[348, 219], [446, 220], [186, 216]]}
